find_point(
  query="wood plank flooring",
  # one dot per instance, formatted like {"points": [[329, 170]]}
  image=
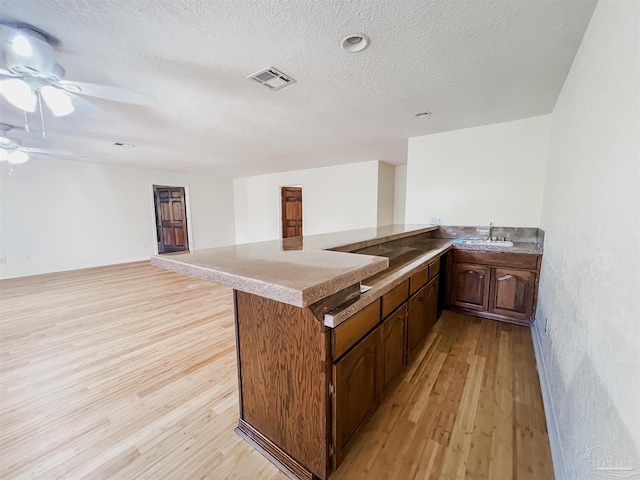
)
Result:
{"points": [[129, 372]]}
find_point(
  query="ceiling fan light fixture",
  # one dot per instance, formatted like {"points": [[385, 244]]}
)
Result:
{"points": [[57, 101], [17, 156], [19, 94], [21, 45]]}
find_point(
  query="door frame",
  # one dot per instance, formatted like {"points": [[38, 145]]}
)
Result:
{"points": [[289, 185], [154, 215]]}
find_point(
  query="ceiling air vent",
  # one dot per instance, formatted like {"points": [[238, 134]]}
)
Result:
{"points": [[272, 78]]}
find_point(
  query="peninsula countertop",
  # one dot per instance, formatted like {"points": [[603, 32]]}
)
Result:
{"points": [[298, 271]]}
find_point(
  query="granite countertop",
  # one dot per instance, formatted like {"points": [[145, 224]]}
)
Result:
{"points": [[298, 271]]}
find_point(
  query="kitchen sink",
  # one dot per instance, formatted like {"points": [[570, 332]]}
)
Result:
{"points": [[500, 243], [474, 241]]}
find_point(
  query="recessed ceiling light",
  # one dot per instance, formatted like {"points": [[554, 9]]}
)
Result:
{"points": [[423, 115], [124, 145], [355, 42]]}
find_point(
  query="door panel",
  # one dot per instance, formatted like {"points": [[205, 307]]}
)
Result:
{"points": [[171, 219], [471, 286], [431, 306], [357, 378], [393, 332], [513, 292], [416, 319], [291, 212]]}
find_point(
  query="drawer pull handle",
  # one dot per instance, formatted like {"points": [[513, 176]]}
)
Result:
{"points": [[505, 277]]}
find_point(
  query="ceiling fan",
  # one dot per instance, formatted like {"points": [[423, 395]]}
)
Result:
{"points": [[12, 151], [32, 75]]}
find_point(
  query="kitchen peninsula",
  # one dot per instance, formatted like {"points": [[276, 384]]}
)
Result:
{"points": [[325, 323]]}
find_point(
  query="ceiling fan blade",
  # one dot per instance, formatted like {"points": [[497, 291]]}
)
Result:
{"points": [[107, 92], [46, 151]]}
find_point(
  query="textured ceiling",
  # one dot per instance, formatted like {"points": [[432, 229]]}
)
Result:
{"points": [[469, 62]]}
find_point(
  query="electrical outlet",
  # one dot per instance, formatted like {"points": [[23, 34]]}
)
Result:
{"points": [[146, 246], [3, 260], [436, 221]]}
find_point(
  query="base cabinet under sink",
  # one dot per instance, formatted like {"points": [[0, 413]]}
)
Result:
{"points": [[496, 285]]}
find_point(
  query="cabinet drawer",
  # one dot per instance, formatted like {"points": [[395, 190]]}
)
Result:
{"points": [[500, 259], [418, 280], [434, 269], [345, 335], [393, 299]]}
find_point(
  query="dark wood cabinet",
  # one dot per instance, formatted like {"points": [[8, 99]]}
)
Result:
{"points": [[357, 384], [306, 390], [393, 343], [471, 286], [499, 285], [372, 360], [512, 292]]}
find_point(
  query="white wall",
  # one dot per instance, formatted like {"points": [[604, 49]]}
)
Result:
{"points": [[479, 175], [59, 215], [400, 193], [386, 180], [590, 283], [342, 197]]}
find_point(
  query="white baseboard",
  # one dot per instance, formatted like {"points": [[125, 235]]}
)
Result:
{"points": [[37, 270], [549, 411]]}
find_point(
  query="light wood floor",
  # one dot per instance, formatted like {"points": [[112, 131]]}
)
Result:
{"points": [[128, 372]]}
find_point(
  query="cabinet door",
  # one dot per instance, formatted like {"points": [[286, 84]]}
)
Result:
{"points": [[393, 331], [357, 379], [416, 320], [431, 308], [471, 286], [513, 292]]}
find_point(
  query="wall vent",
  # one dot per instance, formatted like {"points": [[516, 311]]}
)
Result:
{"points": [[272, 78]]}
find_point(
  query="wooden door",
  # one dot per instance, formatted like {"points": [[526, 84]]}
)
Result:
{"points": [[513, 293], [357, 379], [471, 286], [416, 319], [291, 212], [393, 341], [171, 219]]}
